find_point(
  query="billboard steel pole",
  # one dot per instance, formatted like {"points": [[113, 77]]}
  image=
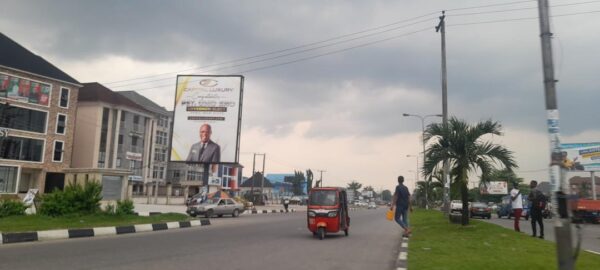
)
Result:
{"points": [[562, 225]]}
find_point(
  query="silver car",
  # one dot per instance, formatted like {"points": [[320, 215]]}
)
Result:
{"points": [[216, 206]]}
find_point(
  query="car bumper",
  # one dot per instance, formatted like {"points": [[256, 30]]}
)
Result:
{"points": [[195, 211]]}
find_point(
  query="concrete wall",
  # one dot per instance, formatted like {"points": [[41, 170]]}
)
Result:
{"points": [[87, 136]]}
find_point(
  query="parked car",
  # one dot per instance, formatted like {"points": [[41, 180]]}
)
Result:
{"points": [[479, 209], [456, 206], [216, 206]]}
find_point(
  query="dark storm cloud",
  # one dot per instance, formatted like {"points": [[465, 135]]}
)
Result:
{"points": [[494, 71]]}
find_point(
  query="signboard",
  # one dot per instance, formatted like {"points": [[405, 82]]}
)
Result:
{"points": [[133, 156], [30, 197], [24, 90], [214, 181], [495, 188], [206, 126], [367, 193], [581, 156]]}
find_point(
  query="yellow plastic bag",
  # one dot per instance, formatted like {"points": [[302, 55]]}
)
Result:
{"points": [[389, 215]]}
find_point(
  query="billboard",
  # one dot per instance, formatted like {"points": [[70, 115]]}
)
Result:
{"points": [[494, 188], [581, 156], [207, 119], [24, 90]]}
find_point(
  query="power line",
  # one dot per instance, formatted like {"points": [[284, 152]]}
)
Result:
{"points": [[289, 54], [315, 43], [523, 19], [519, 9]]}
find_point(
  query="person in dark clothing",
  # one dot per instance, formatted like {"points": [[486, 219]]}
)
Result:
{"points": [[401, 203], [538, 201]]}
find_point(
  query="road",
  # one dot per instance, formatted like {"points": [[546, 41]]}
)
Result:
{"points": [[250, 242], [590, 232]]}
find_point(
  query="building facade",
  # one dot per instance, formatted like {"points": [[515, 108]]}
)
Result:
{"points": [[113, 133], [38, 105]]}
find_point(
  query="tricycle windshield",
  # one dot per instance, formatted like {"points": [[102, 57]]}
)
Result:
{"points": [[323, 197]]}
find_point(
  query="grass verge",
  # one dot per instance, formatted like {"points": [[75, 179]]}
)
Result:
{"points": [[437, 244], [41, 223]]}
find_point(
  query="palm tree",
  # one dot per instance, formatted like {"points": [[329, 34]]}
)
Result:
{"points": [[355, 186], [462, 146], [430, 186]]}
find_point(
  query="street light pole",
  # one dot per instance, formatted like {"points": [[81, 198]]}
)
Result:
{"points": [[423, 141]]}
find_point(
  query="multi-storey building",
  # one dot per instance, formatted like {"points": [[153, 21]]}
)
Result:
{"points": [[113, 133], [160, 131], [38, 105]]}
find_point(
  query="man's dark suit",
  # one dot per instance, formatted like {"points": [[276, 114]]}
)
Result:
{"points": [[210, 154]]}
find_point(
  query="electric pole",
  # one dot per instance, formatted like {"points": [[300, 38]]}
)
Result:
{"points": [[321, 177], [442, 29], [562, 226], [262, 178]]}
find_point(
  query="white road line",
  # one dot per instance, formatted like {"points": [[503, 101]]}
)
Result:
{"points": [[400, 268], [402, 256]]}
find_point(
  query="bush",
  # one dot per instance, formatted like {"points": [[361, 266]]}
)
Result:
{"points": [[11, 208], [75, 199], [109, 209], [125, 207]]}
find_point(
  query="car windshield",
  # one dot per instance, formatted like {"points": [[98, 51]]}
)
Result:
{"points": [[323, 197]]}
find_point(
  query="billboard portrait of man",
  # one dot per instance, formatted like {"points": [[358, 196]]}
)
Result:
{"points": [[205, 151]]}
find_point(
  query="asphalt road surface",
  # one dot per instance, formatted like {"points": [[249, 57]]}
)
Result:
{"points": [[279, 241], [590, 232]]}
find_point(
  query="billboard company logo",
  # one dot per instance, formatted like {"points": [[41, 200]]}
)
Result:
{"points": [[209, 83]]}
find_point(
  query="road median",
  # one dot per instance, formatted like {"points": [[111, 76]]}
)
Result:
{"points": [[438, 244]]}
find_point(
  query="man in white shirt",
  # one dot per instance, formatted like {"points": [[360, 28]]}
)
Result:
{"points": [[517, 204]]}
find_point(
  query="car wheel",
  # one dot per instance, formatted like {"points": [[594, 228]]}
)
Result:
{"points": [[236, 213], [209, 213]]}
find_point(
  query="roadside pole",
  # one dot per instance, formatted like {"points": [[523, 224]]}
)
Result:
{"points": [[562, 225], [593, 185], [442, 29]]}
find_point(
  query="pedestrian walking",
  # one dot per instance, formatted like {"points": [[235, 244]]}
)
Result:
{"points": [[538, 202], [517, 205], [401, 203], [286, 204]]}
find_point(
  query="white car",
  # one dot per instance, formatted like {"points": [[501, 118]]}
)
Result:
{"points": [[372, 205]]}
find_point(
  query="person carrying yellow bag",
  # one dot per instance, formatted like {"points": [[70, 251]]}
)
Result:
{"points": [[401, 203]]}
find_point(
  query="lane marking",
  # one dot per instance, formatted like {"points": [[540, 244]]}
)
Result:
{"points": [[402, 256]]}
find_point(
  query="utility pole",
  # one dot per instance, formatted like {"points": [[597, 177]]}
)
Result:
{"points": [[253, 172], [562, 226], [262, 179], [321, 177], [442, 29]]}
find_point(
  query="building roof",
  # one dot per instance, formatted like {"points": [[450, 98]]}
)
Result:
{"points": [[256, 179], [18, 57], [145, 102], [98, 92]]}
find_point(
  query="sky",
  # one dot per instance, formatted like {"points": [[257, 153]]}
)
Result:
{"points": [[327, 82]]}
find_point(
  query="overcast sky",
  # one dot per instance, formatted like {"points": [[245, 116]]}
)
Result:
{"points": [[336, 108]]}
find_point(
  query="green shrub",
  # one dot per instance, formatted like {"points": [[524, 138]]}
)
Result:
{"points": [[11, 208], [109, 209], [75, 199], [124, 207]]}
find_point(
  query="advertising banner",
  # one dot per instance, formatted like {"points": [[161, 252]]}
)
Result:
{"points": [[133, 156], [495, 188], [206, 126], [581, 156], [24, 90]]}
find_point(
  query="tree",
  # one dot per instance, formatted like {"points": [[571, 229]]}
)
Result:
{"points": [[309, 180], [296, 182], [432, 186], [386, 195], [354, 186], [462, 146]]}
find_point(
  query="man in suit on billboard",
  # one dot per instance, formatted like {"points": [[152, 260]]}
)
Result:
{"points": [[205, 151]]}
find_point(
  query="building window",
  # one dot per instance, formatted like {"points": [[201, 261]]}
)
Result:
{"points": [[23, 119], [61, 124], [9, 178], [64, 97], [158, 172], [120, 139], [123, 116], [176, 173], [24, 149], [118, 162], [134, 140], [104, 129], [101, 159], [58, 151], [160, 154], [194, 176], [136, 119]]}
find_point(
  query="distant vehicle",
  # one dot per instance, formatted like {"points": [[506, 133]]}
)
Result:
{"points": [[456, 206], [478, 209], [586, 211], [327, 211], [372, 205], [505, 209], [195, 199], [216, 206]]}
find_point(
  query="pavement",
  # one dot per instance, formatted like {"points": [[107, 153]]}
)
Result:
{"points": [[248, 242], [590, 232]]}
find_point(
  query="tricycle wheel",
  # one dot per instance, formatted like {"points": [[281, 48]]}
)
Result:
{"points": [[346, 232], [321, 233]]}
